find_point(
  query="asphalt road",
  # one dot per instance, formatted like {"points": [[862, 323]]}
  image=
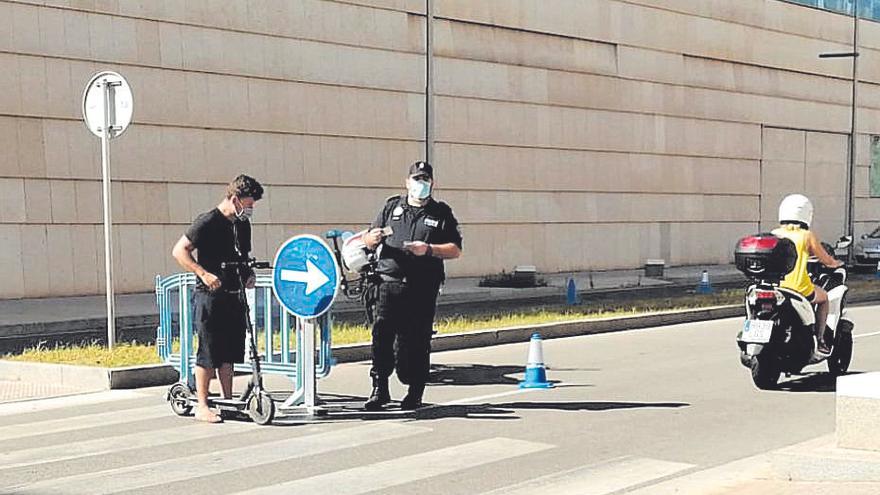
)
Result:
{"points": [[629, 409]]}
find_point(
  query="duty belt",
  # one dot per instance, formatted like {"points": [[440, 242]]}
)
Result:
{"points": [[389, 278]]}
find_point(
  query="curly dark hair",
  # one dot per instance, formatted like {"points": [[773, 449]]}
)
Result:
{"points": [[244, 186]]}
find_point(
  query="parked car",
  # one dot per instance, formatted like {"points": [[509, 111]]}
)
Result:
{"points": [[867, 249]]}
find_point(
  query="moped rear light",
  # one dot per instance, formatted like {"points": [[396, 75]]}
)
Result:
{"points": [[765, 294], [755, 242]]}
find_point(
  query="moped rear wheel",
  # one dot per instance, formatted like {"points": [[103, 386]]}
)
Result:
{"points": [[765, 373]]}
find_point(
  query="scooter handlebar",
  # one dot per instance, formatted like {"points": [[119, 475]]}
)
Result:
{"points": [[251, 263]]}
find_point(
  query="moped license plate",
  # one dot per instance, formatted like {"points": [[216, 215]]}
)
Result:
{"points": [[757, 331]]}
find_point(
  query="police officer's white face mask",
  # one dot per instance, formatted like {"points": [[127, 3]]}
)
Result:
{"points": [[419, 189]]}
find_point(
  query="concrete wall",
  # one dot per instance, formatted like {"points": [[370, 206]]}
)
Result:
{"points": [[570, 134]]}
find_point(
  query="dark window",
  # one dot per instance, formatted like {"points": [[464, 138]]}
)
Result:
{"points": [[868, 9]]}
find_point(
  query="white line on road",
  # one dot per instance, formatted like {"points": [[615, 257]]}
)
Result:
{"points": [[866, 335], [383, 475], [598, 479], [121, 443], [74, 423], [469, 400], [36, 405], [202, 465]]}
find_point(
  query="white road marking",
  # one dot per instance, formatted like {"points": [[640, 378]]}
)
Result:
{"points": [[37, 405], [121, 443], [383, 475], [200, 465], [598, 479], [74, 423]]}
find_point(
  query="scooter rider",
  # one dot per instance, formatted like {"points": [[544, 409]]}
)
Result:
{"points": [[795, 218], [424, 232], [220, 235]]}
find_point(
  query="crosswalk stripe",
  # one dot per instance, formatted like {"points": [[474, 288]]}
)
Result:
{"points": [[121, 443], [382, 475], [598, 479], [30, 406], [174, 470], [62, 425]]}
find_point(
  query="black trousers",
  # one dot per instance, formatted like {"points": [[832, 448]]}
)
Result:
{"points": [[402, 331]]}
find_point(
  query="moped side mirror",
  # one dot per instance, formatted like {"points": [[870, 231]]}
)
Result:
{"points": [[844, 242]]}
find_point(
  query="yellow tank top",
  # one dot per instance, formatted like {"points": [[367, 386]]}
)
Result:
{"points": [[798, 279]]}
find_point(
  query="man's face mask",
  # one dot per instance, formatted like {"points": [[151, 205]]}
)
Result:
{"points": [[419, 187], [245, 213]]}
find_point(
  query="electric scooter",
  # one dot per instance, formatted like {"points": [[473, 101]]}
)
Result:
{"points": [[254, 400]]}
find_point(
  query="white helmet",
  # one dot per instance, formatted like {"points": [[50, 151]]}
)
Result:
{"points": [[796, 208], [355, 255]]}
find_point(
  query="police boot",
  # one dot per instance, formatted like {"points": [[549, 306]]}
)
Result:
{"points": [[413, 399], [379, 396]]}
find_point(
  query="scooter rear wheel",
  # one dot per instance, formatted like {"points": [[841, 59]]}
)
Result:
{"points": [[260, 408]]}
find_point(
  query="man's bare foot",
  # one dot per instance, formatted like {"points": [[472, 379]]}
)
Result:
{"points": [[207, 415]]}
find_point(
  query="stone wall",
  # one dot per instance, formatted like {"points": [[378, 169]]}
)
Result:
{"points": [[569, 134]]}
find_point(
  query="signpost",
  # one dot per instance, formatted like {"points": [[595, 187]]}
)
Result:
{"points": [[107, 109], [305, 281]]}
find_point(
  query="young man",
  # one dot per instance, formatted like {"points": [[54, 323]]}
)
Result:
{"points": [[220, 235], [795, 217], [424, 233]]}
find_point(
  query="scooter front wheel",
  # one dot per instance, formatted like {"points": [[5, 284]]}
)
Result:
{"points": [[178, 397], [260, 408]]}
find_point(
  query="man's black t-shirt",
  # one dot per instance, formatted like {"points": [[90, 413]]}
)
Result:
{"points": [[433, 223], [217, 240]]}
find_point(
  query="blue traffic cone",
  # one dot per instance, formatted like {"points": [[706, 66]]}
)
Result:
{"points": [[571, 295], [536, 375], [705, 287]]}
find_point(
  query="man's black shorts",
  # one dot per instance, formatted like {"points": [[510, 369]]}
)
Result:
{"points": [[219, 321]]}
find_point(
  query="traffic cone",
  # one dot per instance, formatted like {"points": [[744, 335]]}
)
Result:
{"points": [[536, 375], [705, 287], [571, 296]]}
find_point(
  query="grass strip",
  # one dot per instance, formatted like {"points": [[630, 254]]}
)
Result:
{"points": [[132, 354]]}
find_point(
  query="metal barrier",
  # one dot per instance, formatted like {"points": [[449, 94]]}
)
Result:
{"points": [[174, 296]]}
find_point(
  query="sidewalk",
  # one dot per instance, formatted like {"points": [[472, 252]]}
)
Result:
{"points": [[66, 309], [814, 467]]}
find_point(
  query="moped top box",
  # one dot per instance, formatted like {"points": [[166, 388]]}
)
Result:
{"points": [[765, 256]]}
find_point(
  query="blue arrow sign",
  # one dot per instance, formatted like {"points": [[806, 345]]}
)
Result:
{"points": [[306, 276]]}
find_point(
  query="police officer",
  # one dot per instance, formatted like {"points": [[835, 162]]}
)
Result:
{"points": [[220, 235], [423, 233]]}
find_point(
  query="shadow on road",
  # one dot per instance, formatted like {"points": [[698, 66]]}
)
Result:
{"points": [[506, 410], [589, 405], [473, 374], [484, 374], [813, 382]]}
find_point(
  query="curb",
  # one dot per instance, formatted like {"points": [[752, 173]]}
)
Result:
{"points": [[511, 335], [88, 378], [142, 328], [91, 378]]}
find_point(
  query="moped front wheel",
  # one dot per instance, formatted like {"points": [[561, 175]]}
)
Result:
{"points": [[840, 359]]}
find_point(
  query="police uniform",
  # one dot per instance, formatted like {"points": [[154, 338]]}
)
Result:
{"points": [[409, 286]]}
